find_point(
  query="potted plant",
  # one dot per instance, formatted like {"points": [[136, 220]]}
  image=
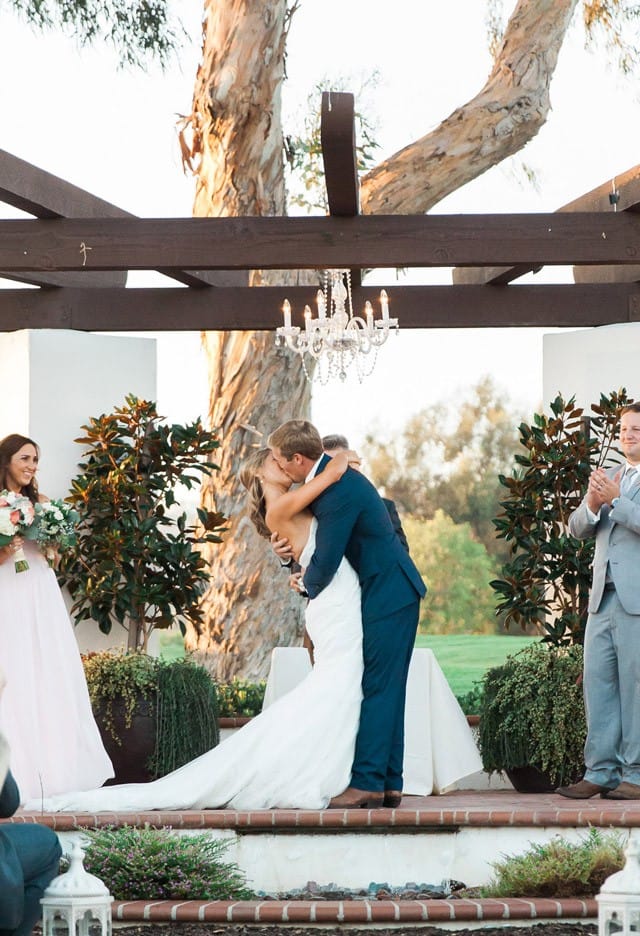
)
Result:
{"points": [[532, 721], [150, 703], [135, 562]]}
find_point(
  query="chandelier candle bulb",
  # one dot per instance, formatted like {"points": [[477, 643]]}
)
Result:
{"points": [[368, 309], [322, 309], [384, 302], [307, 319], [286, 311]]}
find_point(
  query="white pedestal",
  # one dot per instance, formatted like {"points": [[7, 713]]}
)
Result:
{"points": [[587, 363]]}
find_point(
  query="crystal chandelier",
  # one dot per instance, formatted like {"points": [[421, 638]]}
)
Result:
{"points": [[337, 338]]}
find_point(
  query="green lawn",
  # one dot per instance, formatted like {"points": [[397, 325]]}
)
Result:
{"points": [[465, 658]]}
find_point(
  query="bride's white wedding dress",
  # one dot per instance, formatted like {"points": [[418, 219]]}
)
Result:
{"points": [[296, 754], [45, 711]]}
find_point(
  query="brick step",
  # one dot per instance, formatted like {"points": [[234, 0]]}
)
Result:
{"points": [[456, 836], [354, 912]]}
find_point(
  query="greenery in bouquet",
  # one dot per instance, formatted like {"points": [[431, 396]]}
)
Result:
{"points": [[136, 561], [17, 514], [157, 864], [55, 527]]}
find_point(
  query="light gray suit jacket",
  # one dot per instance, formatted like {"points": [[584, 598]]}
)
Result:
{"points": [[617, 534]]}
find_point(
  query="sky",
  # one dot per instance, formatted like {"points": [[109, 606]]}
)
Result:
{"points": [[73, 113]]}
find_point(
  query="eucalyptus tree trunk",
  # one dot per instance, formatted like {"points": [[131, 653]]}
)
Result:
{"points": [[238, 147]]}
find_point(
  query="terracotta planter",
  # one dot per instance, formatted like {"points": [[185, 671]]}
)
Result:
{"points": [[130, 759]]}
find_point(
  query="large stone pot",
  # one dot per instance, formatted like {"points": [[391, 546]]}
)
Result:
{"points": [[130, 759]]}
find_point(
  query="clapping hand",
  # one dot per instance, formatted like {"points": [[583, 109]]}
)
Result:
{"points": [[602, 489]]}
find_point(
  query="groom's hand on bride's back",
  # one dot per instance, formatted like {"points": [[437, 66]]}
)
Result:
{"points": [[282, 548]]}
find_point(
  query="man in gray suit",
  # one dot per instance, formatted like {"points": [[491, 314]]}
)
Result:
{"points": [[610, 511]]}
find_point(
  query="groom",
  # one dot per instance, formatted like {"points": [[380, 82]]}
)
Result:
{"points": [[353, 522]]}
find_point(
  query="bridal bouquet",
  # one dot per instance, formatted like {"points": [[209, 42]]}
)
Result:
{"points": [[56, 522], [16, 517]]}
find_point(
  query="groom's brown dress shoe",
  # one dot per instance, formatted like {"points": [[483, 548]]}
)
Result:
{"points": [[392, 799], [583, 789], [353, 798], [624, 790]]}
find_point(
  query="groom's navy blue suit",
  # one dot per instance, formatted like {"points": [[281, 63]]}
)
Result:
{"points": [[354, 522]]}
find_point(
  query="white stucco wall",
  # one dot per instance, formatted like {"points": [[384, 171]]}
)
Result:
{"points": [[51, 383], [591, 361]]}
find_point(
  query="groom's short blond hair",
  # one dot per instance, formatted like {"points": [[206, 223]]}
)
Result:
{"points": [[297, 437]]}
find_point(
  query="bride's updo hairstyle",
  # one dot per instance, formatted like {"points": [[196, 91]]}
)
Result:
{"points": [[8, 448], [250, 480]]}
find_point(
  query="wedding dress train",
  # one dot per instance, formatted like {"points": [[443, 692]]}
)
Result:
{"points": [[295, 754]]}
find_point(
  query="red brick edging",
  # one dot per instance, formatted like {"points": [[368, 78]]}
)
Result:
{"points": [[351, 911]]}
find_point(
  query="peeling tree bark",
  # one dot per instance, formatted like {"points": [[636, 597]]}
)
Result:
{"points": [[238, 150], [507, 113]]}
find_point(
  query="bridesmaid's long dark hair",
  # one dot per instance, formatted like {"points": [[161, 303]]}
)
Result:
{"points": [[8, 448]]}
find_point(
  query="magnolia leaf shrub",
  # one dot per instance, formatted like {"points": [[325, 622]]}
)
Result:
{"points": [[156, 864], [136, 561], [544, 584]]}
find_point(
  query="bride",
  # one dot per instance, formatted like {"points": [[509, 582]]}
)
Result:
{"points": [[298, 752]]}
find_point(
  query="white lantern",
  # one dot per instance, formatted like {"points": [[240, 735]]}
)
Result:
{"points": [[619, 897], [76, 903]]}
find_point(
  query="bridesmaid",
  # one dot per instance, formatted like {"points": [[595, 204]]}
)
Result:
{"points": [[45, 711]]}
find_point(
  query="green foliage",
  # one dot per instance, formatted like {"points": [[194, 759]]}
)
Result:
{"points": [[457, 570], [157, 864], [136, 30], [135, 561], [119, 677], [186, 715], [240, 698], [532, 712], [449, 457], [470, 701], [545, 582], [180, 693], [559, 868]]}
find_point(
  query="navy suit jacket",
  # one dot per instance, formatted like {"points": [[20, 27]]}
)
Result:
{"points": [[11, 877], [353, 522]]}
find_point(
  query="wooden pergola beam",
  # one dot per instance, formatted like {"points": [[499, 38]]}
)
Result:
{"points": [[627, 189], [313, 243], [46, 196], [340, 160], [118, 309]]}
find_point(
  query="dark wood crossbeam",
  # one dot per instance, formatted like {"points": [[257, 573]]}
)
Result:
{"points": [[311, 243], [259, 308], [625, 188], [338, 140], [45, 195]]}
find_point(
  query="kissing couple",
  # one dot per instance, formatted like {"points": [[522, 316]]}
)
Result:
{"points": [[337, 739]]}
